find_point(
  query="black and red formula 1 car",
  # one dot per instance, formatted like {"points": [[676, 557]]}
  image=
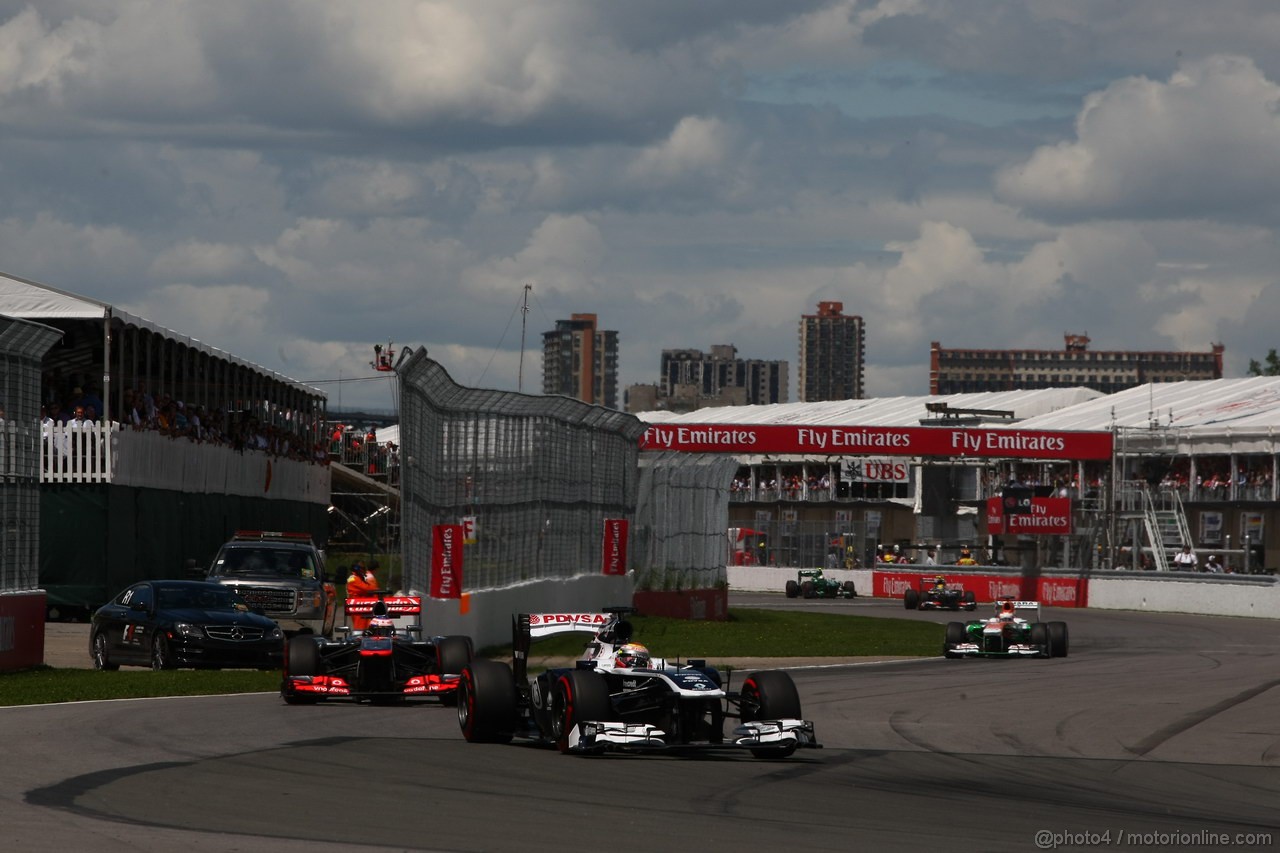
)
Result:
{"points": [[383, 664], [935, 593]]}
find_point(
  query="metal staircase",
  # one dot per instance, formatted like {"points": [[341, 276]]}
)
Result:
{"points": [[1161, 516]]}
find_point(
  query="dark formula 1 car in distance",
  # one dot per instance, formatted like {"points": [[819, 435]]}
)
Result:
{"points": [[617, 698], [935, 593], [383, 664], [810, 583], [1007, 635]]}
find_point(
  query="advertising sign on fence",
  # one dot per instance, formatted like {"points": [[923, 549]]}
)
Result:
{"points": [[1050, 516], [446, 561], [1049, 591], [614, 551]]}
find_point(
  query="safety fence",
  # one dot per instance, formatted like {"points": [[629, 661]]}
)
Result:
{"points": [[535, 477], [22, 346]]}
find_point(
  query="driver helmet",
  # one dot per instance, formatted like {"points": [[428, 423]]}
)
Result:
{"points": [[632, 656], [381, 626], [939, 581], [1006, 610]]}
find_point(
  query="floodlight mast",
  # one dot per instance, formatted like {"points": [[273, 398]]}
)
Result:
{"points": [[524, 318]]}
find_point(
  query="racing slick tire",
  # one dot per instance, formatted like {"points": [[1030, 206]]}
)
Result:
{"points": [[849, 589], [911, 599], [955, 636], [452, 656], [301, 657], [1058, 639], [580, 695], [808, 590], [970, 600], [487, 702], [793, 589], [1040, 638], [770, 695]]}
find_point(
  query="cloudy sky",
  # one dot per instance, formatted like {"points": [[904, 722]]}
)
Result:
{"points": [[294, 181]]}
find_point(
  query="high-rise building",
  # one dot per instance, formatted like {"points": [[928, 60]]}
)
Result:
{"points": [[832, 349], [962, 370], [711, 373], [581, 361]]}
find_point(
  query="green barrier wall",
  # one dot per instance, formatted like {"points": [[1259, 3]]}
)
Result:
{"points": [[97, 539]]}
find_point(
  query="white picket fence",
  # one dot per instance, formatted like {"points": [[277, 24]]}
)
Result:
{"points": [[77, 453]]}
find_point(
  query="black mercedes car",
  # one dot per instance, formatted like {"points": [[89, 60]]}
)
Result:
{"points": [[168, 624]]}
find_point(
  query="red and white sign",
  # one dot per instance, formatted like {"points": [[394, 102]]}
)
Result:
{"points": [[878, 441], [1049, 591], [614, 549], [873, 470], [1049, 516], [468, 530], [446, 561]]}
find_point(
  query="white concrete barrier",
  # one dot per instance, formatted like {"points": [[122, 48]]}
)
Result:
{"points": [[1160, 592]]}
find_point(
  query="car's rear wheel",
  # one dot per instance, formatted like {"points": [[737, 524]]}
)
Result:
{"points": [[970, 600], [955, 636], [580, 696], [1058, 639], [793, 589], [911, 599], [808, 590], [849, 589], [101, 657], [770, 695], [1039, 635], [487, 702], [160, 655]]}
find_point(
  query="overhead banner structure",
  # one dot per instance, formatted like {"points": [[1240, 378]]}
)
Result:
{"points": [[614, 550], [1050, 516], [446, 561], [878, 441]]}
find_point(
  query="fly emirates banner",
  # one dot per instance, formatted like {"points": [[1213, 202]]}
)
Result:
{"points": [[878, 441]]}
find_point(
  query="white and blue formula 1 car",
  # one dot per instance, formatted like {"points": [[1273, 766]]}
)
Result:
{"points": [[617, 698]]}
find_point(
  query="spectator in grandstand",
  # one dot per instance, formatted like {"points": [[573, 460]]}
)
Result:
{"points": [[966, 558], [1212, 564], [1186, 560]]}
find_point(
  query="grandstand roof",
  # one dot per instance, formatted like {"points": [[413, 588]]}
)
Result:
{"points": [[885, 411]]}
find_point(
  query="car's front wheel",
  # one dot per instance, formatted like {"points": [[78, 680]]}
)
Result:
{"points": [[849, 589], [487, 702], [101, 657], [970, 600], [161, 658], [770, 695], [910, 599], [792, 589], [580, 696], [955, 636]]}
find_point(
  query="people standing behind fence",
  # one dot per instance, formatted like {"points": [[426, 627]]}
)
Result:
{"points": [[1213, 564], [966, 558], [1186, 560]]}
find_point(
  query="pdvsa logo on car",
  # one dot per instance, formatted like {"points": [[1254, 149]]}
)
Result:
{"points": [[567, 619]]}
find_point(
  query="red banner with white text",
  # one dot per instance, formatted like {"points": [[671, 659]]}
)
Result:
{"points": [[987, 588], [614, 550], [878, 441], [446, 561], [1049, 516]]}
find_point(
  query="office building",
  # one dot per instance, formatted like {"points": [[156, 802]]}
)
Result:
{"points": [[964, 370]]}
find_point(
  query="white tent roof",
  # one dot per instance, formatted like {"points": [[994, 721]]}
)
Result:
{"points": [[884, 411], [1209, 416], [30, 300]]}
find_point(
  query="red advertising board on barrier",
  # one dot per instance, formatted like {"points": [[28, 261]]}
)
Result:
{"points": [[446, 561], [878, 441], [614, 549], [1049, 516], [21, 629], [1049, 591]]}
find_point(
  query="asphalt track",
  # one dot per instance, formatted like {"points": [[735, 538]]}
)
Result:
{"points": [[1157, 732]]}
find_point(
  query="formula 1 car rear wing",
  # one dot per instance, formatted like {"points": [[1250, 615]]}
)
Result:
{"points": [[394, 605], [526, 627]]}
